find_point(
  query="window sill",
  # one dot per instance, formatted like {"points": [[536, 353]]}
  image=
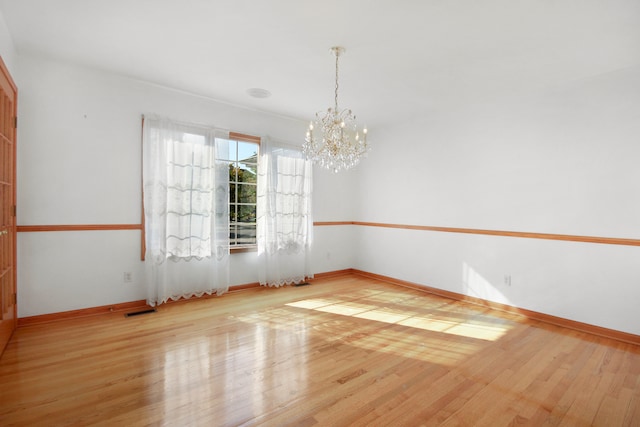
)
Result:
{"points": [[242, 249]]}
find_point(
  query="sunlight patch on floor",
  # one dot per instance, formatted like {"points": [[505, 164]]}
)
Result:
{"points": [[470, 328], [401, 323]]}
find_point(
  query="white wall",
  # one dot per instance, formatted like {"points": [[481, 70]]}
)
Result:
{"points": [[563, 160], [7, 49], [334, 246], [79, 163]]}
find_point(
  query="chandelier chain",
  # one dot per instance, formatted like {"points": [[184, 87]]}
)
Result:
{"points": [[336, 93]]}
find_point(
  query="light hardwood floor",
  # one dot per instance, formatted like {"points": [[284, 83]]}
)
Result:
{"points": [[342, 351]]}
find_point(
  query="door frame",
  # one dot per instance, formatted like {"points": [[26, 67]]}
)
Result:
{"points": [[9, 299]]}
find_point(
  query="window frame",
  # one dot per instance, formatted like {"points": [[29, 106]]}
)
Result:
{"points": [[242, 137]]}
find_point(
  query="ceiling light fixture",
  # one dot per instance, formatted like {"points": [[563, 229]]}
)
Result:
{"points": [[333, 140], [257, 92]]}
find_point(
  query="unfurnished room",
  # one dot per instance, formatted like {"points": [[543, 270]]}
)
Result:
{"points": [[338, 213]]}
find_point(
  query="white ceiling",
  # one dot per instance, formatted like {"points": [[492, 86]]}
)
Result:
{"points": [[404, 59]]}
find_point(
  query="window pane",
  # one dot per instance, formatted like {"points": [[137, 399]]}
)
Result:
{"points": [[246, 213], [233, 233], [247, 193], [232, 193], [246, 234], [227, 149], [233, 173], [247, 152], [247, 173], [232, 213]]}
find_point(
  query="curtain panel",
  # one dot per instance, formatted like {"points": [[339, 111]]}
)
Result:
{"points": [[186, 210], [284, 221]]}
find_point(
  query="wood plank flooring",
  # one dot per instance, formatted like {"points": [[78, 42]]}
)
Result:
{"points": [[343, 351]]}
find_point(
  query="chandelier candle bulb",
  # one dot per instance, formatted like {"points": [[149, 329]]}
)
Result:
{"points": [[339, 145]]}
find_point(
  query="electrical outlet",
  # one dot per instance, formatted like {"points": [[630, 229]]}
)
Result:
{"points": [[507, 279], [127, 277]]}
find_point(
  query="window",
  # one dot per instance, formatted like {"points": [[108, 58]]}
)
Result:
{"points": [[184, 187], [242, 159]]}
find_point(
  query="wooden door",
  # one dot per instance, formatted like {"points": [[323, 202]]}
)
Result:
{"points": [[8, 124]]}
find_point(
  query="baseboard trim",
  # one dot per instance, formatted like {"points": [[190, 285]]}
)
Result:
{"points": [[530, 314], [331, 274], [83, 312], [113, 308], [246, 286]]}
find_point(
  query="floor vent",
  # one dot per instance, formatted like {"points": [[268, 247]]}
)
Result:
{"points": [[302, 284], [138, 313]]}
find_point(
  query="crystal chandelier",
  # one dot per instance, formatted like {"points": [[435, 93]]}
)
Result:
{"points": [[333, 140]]}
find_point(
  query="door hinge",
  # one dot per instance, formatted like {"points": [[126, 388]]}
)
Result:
{"points": [[14, 210], [15, 122], [15, 298]]}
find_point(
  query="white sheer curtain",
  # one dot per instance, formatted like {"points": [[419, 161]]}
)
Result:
{"points": [[186, 210], [284, 222]]}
